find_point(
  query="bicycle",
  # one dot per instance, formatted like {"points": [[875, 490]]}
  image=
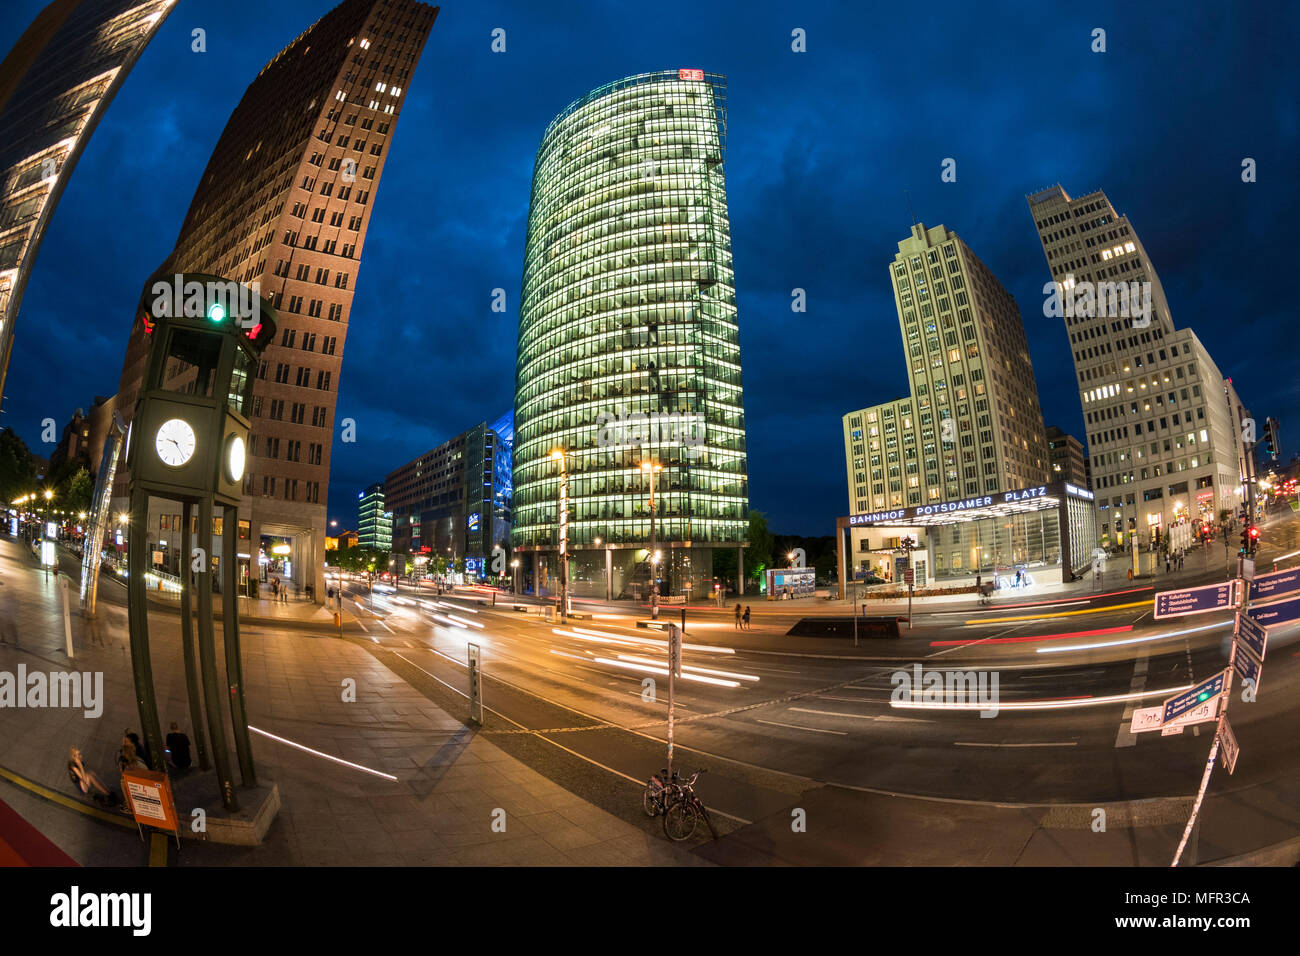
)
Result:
{"points": [[656, 798], [684, 814]]}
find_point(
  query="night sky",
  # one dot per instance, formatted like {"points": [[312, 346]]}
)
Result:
{"points": [[821, 147]]}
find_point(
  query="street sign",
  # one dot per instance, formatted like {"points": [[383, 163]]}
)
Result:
{"points": [[1245, 664], [1228, 746], [1202, 600], [1146, 719], [1197, 715], [1279, 612], [909, 576], [1252, 634], [1182, 703], [1247, 569], [1275, 584]]}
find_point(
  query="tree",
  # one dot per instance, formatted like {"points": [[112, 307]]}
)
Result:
{"points": [[79, 491], [17, 467], [758, 558]]}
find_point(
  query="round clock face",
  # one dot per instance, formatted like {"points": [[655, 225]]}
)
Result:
{"points": [[235, 457], [175, 442]]}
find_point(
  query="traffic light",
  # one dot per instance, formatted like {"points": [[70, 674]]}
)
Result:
{"points": [[1270, 437], [1249, 540]]}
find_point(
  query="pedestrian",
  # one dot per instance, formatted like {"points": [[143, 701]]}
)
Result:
{"points": [[1020, 574], [178, 748], [129, 758], [87, 781], [130, 736], [1166, 562], [745, 617], [737, 615]]}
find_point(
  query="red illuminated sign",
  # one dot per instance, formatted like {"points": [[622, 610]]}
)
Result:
{"points": [[690, 74]]}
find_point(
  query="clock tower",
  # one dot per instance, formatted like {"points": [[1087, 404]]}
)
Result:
{"points": [[188, 442]]}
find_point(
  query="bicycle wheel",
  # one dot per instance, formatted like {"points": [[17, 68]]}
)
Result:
{"points": [[652, 801], [680, 820]]}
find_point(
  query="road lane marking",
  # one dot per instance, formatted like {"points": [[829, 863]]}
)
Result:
{"points": [[324, 756], [814, 730], [964, 743], [1094, 610], [836, 713]]}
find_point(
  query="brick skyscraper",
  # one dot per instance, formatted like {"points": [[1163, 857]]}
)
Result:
{"points": [[285, 202]]}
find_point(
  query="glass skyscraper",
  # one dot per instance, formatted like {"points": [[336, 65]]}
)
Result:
{"points": [[629, 352]]}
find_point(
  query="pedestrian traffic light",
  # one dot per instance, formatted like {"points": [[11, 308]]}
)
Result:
{"points": [[1249, 540], [1270, 437]]}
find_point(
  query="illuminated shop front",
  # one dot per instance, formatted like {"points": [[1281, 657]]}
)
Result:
{"points": [[1048, 531]]}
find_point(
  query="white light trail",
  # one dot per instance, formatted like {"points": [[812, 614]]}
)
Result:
{"points": [[1134, 640]]}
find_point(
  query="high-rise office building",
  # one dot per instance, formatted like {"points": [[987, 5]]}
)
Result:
{"points": [[55, 84], [971, 423], [454, 501], [1066, 454], [629, 351], [1162, 445], [374, 520], [285, 204]]}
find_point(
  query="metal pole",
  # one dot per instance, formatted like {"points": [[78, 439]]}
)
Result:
{"points": [[187, 636], [208, 661], [674, 656], [67, 618], [230, 638], [654, 546], [138, 624]]}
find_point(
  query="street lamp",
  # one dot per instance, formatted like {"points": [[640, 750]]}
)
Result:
{"points": [[558, 455], [515, 574], [650, 468]]}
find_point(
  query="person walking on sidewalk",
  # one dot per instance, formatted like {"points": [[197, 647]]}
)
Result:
{"points": [[737, 615], [745, 617], [178, 747]]}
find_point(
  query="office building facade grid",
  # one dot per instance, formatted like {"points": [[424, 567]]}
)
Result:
{"points": [[1162, 444], [55, 85], [285, 203], [628, 338]]}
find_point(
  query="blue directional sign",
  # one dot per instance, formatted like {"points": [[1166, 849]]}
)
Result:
{"points": [[1275, 584], [1180, 704], [1252, 634], [1280, 612], [1202, 600], [1249, 668]]}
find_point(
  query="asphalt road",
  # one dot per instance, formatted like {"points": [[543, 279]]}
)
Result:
{"points": [[768, 723]]}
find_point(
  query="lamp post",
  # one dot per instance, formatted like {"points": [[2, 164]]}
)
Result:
{"points": [[650, 467], [515, 575], [558, 455]]}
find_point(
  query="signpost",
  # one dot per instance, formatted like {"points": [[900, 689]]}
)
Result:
{"points": [[1251, 634], [1228, 741], [1275, 584], [1189, 601], [1247, 667], [1180, 704], [475, 686], [1197, 715], [1279, 612]]}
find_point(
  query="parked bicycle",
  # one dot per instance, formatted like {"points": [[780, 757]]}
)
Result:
{"points": [[684, 813], [660, 792]]}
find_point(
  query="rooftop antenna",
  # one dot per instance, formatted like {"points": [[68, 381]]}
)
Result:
{"points": [[909, 206]]}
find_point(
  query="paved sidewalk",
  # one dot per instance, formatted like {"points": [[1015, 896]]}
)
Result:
{"points": [[451, 784]]}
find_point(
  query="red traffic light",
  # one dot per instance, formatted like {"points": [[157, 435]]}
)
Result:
{"points": [[1253, 532]]}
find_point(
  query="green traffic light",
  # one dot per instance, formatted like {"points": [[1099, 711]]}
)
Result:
{"points": [[216, 312]]}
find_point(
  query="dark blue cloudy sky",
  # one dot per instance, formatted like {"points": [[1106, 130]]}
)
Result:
{"points": [[822, 146]]}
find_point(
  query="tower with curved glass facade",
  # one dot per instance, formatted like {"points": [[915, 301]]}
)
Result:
{"points": [[629, 354]]}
